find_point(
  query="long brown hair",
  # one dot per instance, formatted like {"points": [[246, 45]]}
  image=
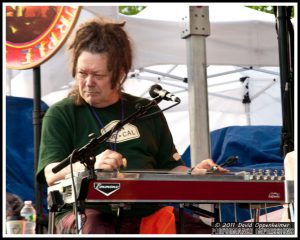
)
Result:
{"points": [[102, 35]]}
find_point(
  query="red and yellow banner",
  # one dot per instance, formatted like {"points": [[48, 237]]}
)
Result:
{"points": [[35, 33]]}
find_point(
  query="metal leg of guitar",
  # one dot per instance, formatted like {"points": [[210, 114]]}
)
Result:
{"points": [[256, 214], [266, 212], [119, 219], [181, 218], [78, 220], [79, 224], [216, 213], [220, 219], [51, 222], [291, 211], [235, 213]]}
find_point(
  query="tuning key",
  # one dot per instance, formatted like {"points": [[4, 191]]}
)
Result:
{"points": [[259, 175], [253, 174], [282, 177], [274, 175], [267, 175]]}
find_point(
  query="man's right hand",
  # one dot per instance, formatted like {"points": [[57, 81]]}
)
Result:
{"points": [[108, 160]]}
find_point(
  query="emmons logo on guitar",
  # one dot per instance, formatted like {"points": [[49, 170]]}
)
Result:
{"points": [[274, 195], [107, 188]]}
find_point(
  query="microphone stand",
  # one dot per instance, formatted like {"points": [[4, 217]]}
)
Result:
{"points": [[85, 154]]}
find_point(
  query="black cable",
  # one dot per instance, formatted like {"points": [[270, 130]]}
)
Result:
{"points": [[160, 111]]}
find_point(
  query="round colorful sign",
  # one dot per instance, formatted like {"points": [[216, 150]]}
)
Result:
{"points": [[35, 33]]}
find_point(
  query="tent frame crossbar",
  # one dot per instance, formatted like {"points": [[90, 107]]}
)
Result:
{"points": [[163, 74]]}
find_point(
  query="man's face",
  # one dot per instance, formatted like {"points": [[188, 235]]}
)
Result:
{"points": [[94, 80]]}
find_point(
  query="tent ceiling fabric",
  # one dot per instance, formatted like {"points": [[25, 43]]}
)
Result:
{"points": [[239, 36]]}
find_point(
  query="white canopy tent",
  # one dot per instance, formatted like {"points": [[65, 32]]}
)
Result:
{"points": [[239, 36]]}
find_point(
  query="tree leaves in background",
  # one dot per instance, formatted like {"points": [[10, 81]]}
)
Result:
{"points": [[268, 9], [130, 10]]}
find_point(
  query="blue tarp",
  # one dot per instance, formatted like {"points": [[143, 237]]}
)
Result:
{"points": [[256, 146], [20, 147]]}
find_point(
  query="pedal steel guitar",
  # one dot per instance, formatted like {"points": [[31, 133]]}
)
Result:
{"points": [[161, 187]]}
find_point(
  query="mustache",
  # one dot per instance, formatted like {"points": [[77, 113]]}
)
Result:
{"points": [[91, 90]]}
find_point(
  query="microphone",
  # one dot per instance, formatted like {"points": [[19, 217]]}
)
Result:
{"points": [[157, 90]]}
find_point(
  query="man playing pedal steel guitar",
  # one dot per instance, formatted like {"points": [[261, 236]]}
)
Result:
{"points": [[101, 57]]}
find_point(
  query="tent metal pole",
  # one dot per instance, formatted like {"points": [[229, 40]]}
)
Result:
{"points": [[36, 120], [195, 31], [246, 100]]}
